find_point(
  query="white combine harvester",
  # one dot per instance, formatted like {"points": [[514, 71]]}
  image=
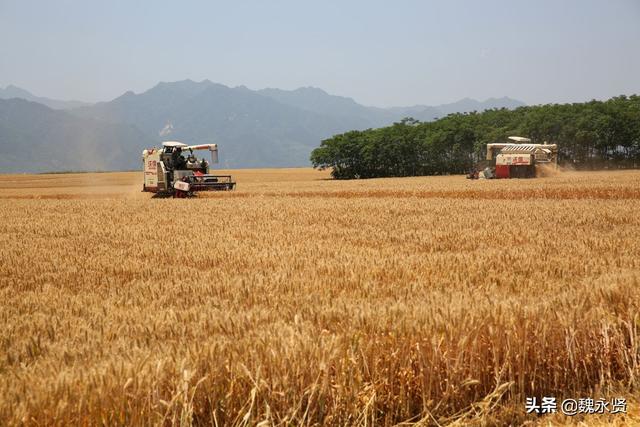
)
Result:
{"points": [[168, 173], [517, 159]]}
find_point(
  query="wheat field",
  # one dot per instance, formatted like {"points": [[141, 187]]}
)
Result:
{"points": [[299, 300]]}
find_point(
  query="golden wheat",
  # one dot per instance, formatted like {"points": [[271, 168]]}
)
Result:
{"points": [[301, 300]]}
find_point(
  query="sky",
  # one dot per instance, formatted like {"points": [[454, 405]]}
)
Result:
{"points": [[380, 53]]}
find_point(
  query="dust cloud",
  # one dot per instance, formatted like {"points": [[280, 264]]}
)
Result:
{"points": [[549, 170]]}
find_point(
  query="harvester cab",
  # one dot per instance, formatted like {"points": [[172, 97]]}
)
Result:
{"points": [[174, 170], [518, 158]]}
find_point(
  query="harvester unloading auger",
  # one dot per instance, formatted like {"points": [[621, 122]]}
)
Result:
{"points": [[169, 174], [517, 159]]}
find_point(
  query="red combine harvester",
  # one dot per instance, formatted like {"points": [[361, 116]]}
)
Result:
{"points": [[517, 159]]}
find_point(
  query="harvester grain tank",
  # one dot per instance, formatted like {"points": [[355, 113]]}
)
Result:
{"points": [[167, 172], [518, 159]]}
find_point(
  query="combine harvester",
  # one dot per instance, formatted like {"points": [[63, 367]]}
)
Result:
{"points": [[169, 174], [517, 159]]}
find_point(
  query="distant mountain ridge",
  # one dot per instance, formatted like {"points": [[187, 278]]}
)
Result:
{"points": [[318, 100], [466, 105], [36, 138], [12, 91], [254, 128]]}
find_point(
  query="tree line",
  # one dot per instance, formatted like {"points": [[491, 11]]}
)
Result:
{"points": [[591, 135]]}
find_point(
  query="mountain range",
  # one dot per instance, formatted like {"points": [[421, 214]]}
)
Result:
{"points": [[36, 138], [12, 91], [253, 128]]}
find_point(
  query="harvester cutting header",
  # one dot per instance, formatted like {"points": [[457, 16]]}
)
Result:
{"points": [[168, 173], [517, 159]]}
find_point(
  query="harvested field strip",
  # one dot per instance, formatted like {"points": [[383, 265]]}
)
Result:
{"points": [[506, 194], [595, 193]]}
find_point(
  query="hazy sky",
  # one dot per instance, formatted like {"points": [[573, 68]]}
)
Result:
{"points": [[378, 52]]}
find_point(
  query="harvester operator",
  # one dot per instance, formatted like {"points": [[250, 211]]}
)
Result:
{"points": [[177, 159]]}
